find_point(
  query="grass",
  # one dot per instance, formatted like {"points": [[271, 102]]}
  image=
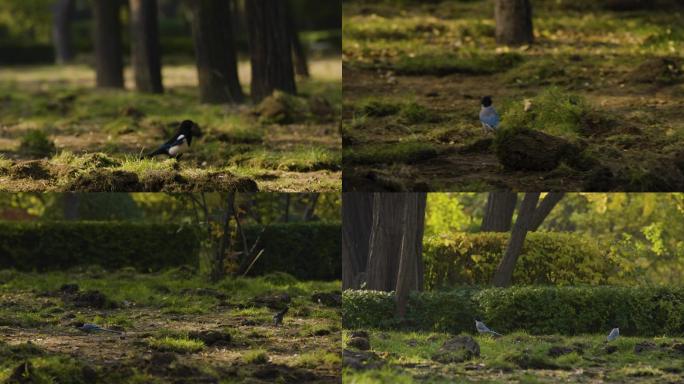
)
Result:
{"points": [[257, 356], [403, 152], [179, 345]]}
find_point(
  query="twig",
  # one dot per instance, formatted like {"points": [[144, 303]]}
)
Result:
{"points": [[253, 261]]}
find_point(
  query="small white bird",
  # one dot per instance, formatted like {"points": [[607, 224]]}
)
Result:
{"points": [[482, 328], [488, 116], [614, 334]]}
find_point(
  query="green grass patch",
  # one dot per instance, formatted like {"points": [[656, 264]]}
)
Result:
{"points": [[257, 356], [302, 159], [173, 344], [402, 152]]}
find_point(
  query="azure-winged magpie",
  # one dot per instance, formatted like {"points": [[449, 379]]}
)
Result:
{"points": [[488, 116]]}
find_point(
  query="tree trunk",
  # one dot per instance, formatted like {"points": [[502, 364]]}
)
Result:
{"points": [[513, 22], [311, 207], [410, 275], [108, 48], [215, 52], [218, 269], [499, 211], [270, 45], [62, 14], [544, 208], [71, 206], [145, 52], [301, 65], [286, 208], [504, 272], [357, 219], [385, 241]]}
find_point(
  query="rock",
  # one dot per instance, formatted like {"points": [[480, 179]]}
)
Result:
{"points": [[361, 360], [644, 346], [329, 299], [610, 349], [69, 289], [212, 338], [529, 150], [34, 169], [457, 350], [360, 343], [277, 301], [559, 350]]}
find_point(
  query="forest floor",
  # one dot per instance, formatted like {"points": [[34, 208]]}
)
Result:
{"points": [[59, 133], [407, 357], [176, 328], [608, 82]]}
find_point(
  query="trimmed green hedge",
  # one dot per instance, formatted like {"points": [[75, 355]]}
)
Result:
{"points": [[59, 245], [307, 250], [13, 54], [642, 311], [547, 258]]}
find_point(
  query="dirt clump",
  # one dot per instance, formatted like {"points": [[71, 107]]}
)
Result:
{"points": [[105, 180], [33, 169], [457, 350], [659, 70], [212, 338], [530, 150]]}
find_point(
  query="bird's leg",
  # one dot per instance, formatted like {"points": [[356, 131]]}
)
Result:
{"points": [[179, 157]]}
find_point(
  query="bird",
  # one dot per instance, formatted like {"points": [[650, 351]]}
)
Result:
{"points": [[179, 143], [482, 328], [488, 116], [278, 317], [89, 327], [614, 333]]}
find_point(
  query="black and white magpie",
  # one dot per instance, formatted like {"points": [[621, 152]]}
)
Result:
{"points": [[179, 143], [278, 317]]}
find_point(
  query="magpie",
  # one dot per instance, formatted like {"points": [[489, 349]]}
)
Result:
{"points": [[614, 333], [488, 116], [179, 143], [89, 327], [278, 317], [482, 328]]}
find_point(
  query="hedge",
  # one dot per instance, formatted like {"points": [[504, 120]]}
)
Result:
{"points": [[547, 258], [12, 54], [306, 250], [643, 311], [59, 245]]}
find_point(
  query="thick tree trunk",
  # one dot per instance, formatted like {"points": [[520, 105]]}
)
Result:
{"points": [[108, 48], [145, 53], [357, 219], [385, 241], [270, 45], [499, 211], [410, 275], [513, 22], [215, 52], [71, 206], [504, 272], [301, 64], [544, 208], [62, 13]]}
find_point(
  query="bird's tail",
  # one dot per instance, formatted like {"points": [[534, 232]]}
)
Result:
{"points": [[496, 333], [154, 153]]}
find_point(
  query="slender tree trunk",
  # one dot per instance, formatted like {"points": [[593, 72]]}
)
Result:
{"points": [[62, 14], [357, 219], [311, 207], [513, 22], [215, 52], [499, 211], [504, 273], [411, 255], [71, 205], [218, 270], [385, 241], [108, 47], [145, 53], [270, 45], [544, 208], [301, 64]]}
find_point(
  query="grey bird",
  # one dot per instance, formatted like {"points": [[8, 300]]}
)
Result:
{"points": [[482, 328], [278, 317], [89, 327], [614, 333]]}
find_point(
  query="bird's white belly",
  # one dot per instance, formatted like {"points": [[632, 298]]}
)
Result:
{"points": [[178, 149]]}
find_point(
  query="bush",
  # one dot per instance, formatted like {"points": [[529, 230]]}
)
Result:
{"points": [[13, 54], [547, 258], [306, 250], [536, 310], [60, 245], [37, 144]]}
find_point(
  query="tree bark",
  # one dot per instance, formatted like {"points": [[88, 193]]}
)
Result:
{"points": [[71, 206], [215, 52], [357, 220], [270, 45], [108, 47], [385, 241], [145, 53], [410, 275], [544, 208], [513, 22], [218, 269], [504, 272], [62, 14], [301, 64], [499, 211], [311, 207]]}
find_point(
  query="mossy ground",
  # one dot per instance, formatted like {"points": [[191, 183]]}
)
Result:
{"points": [[237, 145], [624, 70], [522, 358], [159, 313]]}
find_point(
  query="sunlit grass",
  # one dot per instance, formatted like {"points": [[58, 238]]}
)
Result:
{"points": [[178, 345]]}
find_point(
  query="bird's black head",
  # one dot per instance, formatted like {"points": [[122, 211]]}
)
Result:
{"points": [[187, 127], [486, 101]]}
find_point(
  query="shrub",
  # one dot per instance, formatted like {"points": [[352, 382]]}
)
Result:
{"points": [[59, 245], [306, 250], [547, 258], [537, 310]]}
